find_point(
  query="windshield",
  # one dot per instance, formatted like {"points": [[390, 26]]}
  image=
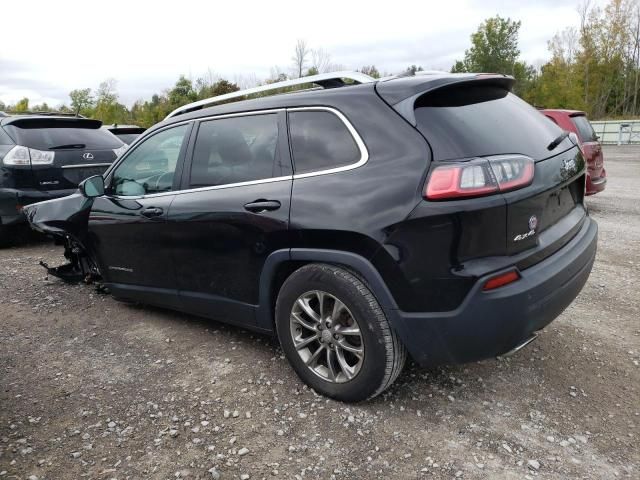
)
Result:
{"points": [[52, 137], [466, 121]]}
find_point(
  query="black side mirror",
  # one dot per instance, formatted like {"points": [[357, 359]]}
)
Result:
{"points": [[92, 187]]}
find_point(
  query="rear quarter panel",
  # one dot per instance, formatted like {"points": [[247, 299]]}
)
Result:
{"points": [[357, 210]]}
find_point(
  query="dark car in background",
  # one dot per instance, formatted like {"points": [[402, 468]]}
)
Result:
{"points": [[126, 133], [577, 122], [438, 215], [43, 157]]}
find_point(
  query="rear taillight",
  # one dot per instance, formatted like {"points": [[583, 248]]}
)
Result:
{"points": [[481, 176], [20, 155]]}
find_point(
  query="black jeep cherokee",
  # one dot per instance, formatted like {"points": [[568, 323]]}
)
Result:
{"points": [[46, 156], [438, 215]]}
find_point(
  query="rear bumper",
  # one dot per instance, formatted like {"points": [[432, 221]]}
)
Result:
{"points": [[492, 323], [12, 200]]}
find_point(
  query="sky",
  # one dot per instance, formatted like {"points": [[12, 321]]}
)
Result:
{"points": [[49, 48]]}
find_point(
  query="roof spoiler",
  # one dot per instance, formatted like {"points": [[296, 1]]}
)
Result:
{"points": [[401, 95], [53, 122]]}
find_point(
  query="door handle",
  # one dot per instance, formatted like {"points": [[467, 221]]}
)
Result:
{"points": [[152, 212], [259, 206]]}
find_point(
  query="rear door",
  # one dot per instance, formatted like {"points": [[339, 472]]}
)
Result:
{"points": [[127, 226], [81, 149], [232, 213]]}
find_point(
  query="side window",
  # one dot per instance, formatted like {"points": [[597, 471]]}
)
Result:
{"points": [[150, 167], [320, 140], [233, 150]]}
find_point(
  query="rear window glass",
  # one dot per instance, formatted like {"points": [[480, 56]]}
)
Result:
{"points": [[4, 138], [52, 137], [584, 128], [320, 140], [477, 120], [127, 138], [235, 150]]}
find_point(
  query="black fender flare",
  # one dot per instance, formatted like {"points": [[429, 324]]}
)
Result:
{"points": [[360, 265]]}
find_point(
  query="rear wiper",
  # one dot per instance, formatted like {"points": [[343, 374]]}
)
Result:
{"points": [[70, 145], [558, 140]]}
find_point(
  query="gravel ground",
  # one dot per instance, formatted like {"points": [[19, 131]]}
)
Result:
{"points": [[91, 388]]}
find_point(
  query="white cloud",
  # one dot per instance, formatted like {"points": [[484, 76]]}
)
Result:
{"points": [[52, 47]]}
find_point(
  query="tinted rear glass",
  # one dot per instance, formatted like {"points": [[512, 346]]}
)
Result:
{"points": [[4, 138], [320, 140], [127, 138], [234, 150], [584, 128], [51, 137], [477, 120]]}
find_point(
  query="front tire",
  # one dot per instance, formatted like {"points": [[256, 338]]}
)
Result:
{"points": [[335, 334]]}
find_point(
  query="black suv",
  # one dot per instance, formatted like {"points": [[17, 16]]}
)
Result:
{"points": [[438, 215], [44, 157]]}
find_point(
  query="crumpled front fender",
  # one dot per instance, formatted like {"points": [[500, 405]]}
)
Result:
{"points": [[62, 216]]}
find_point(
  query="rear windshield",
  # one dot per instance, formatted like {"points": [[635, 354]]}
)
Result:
{"points": [[584, 128], [127, 138], [52, 137], [465, 121]]}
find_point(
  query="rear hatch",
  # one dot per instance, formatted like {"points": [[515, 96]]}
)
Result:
{"points": [[480, 121], [81, 149], [127, 134]]}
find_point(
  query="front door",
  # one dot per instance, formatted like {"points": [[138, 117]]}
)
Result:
{"points": [[127, 226], [234, 213]]}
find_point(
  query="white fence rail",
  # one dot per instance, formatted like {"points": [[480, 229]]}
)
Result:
{"points": [[618, 132]]}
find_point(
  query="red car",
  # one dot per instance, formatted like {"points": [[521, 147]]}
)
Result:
{"points": [[576, 121]]}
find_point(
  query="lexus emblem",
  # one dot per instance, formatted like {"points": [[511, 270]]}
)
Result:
{"points": [[88, 156], [533, 222]]}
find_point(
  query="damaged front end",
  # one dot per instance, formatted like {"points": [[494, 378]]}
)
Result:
{"points": [[66, 221], [80, 267]]}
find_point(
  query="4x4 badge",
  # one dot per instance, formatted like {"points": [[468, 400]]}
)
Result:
{"points": [[533, 223]]}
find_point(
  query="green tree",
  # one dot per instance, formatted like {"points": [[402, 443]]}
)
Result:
{"points": [[82, 101], [182, 92], [371, 70], [494, 49], [107, 107], [22, 106]]}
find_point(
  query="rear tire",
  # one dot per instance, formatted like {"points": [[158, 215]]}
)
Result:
{"points": [[335, 334]]}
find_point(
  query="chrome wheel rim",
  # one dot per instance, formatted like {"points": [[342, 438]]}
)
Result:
{"points": [[326, 336]]}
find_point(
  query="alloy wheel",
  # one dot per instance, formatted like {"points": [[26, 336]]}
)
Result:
{"points": [[326, 336]]}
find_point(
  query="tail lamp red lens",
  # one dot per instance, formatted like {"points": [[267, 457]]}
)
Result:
{"points": [[501, 280], [482, 176]]}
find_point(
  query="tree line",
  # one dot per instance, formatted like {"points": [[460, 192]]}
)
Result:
{"points": [[594, 67]]}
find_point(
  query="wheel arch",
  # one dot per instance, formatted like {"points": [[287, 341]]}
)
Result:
{"points": [[281, 263]]}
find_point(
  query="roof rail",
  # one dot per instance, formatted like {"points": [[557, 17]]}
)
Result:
{"points": [[326, 80]]}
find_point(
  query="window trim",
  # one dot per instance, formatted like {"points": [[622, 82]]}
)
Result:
{"points": [[364, 153], [108, 175], [283, 150], [364, 158]]}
